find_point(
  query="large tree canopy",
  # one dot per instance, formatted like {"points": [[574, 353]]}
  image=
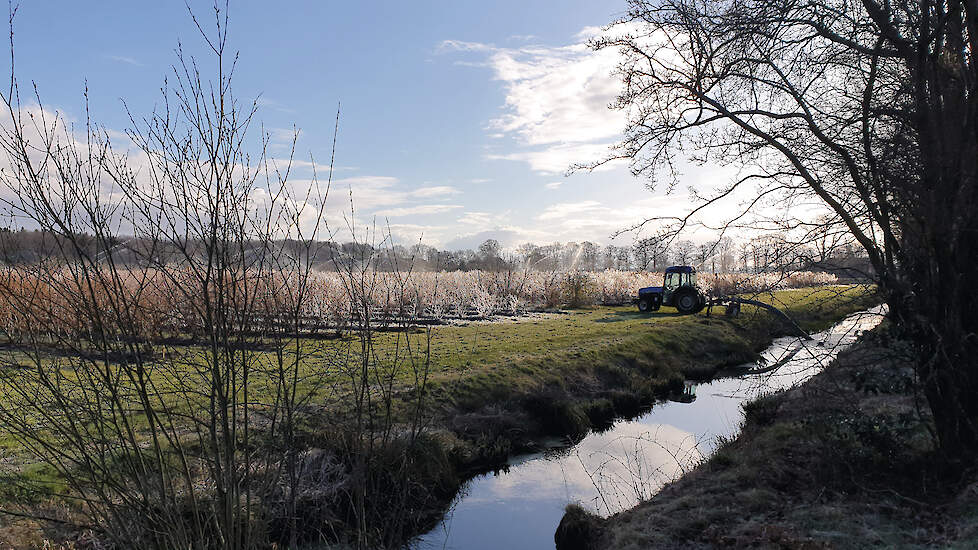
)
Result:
{"points": [[868, 107]]}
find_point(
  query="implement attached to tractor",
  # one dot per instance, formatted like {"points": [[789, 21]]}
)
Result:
{"points": [[678, 290]]}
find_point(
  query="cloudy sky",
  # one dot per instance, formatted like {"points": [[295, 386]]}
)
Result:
{"points": [[458, 119]]}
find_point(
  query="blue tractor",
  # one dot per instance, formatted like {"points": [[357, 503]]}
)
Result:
{"points": [[678, 290]]}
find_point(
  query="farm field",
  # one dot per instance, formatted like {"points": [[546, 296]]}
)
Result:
{"points": [[481, 363], [494, 388], [161, 305], [475, 363]]}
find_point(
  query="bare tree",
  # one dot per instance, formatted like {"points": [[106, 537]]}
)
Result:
{"points": [[703, 253], [867, 107], [683, 252], [157, 442], [490, 255], [725, 249], [643, 252], [156, 356], [589, 256]]}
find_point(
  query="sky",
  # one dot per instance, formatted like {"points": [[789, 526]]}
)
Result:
{"points": [[458, 120]]}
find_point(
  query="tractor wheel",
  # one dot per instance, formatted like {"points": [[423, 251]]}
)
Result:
{"points": [[645, 306], [686, 302]]}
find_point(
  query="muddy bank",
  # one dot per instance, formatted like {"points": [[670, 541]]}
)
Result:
{"points": [[844, 461]]}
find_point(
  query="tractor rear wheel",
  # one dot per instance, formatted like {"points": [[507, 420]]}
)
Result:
{"points": [[686, 301]]}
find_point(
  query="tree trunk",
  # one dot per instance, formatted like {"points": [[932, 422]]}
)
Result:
{"points": [[938, 316]]}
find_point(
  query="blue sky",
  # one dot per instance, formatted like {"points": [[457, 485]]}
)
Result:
{"points": [[458, 118]]}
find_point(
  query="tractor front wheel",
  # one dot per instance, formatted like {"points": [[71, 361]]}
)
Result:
{"points": [[645, 306]]}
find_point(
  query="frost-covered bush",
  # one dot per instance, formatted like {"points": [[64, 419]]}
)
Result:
{"points": [[443, 294], [484, 303]]}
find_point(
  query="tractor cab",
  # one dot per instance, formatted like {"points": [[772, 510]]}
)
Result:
{"points": [[676, 277], [678, 290]]}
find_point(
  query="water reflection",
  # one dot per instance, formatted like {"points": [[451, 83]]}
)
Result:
{"points": [[615, 469]]}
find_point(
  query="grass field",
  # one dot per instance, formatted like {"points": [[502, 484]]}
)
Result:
{"points": [[478, 363]]}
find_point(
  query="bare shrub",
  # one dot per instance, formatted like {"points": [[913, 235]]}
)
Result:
{"points": [[157, 361]]}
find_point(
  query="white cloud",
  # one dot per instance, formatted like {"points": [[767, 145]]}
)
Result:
{"points": [[557, 100], [124, 59], [283, 138], [565, 209], [321, 168], [558, 95], [413, 233], [508, 237], [463, 46], [267, 103], [481, 219], [421, 209], [557, 158], [435, 191], [598, 220], [372, 192], [368, 192], [554, 184]]}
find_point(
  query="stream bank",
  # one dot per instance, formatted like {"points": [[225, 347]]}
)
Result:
{"points": [[844, 460], [485, 413]]}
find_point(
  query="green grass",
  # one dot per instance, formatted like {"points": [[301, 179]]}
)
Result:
{"points": [[477, 363]]}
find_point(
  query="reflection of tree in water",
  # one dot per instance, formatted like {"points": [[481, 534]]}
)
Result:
{"points": [[632, 468]]}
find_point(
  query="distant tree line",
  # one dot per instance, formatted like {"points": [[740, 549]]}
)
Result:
{"points": [[757, 255]]}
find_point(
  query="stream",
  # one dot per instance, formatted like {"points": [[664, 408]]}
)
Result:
{"points": [[612, 470]]}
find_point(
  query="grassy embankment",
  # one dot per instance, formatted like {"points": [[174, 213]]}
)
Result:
{"points": [[844, 461], [496, 388], [504, 384]]}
